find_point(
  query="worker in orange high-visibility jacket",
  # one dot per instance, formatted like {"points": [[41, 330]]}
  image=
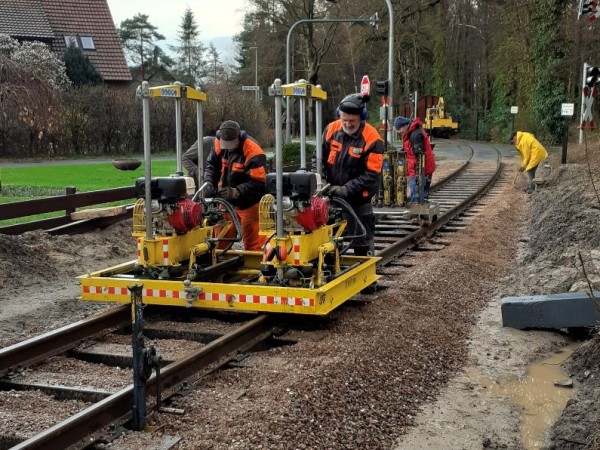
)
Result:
{"points": [[236, 171], [532, 154], [352, 163]]}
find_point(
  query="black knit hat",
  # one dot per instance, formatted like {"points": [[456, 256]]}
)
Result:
{"points": [[511, 137], [229, 130], [354, 103]]}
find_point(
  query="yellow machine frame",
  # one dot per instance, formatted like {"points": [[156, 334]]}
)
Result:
{"points": [[106, 286], [243, 285], [305, 247]]}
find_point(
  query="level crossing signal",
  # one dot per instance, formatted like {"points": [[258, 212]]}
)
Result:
{"points": [[592, 75], [383, 90], [590, 91], [589, 8], [383, 87]]}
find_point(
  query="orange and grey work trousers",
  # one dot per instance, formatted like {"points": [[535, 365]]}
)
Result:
{"points": [[249, 221]]}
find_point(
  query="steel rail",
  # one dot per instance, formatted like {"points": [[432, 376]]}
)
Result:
{"points": [[443, 182], [58, 341], [84, 423]]}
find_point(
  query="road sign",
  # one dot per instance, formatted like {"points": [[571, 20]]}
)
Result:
{"points": [[250, 88], [514, 109], [566, 109], [365, 86]]}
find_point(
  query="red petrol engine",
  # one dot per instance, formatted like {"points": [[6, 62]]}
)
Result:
{"points": [[314, 216], [186, 216]]}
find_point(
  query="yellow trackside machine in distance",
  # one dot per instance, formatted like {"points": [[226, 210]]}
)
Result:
{"points": [[438, 122], [183, 258]]}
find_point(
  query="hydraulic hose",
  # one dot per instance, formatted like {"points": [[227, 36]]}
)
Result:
{"points": [[345, 205], [236, 222]]}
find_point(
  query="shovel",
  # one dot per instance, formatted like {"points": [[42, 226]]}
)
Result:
{"points": [[516, 176]]}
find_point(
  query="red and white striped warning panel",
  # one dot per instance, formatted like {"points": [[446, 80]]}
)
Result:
{"points": [[115, 290], [272, 300], [205, 296], [165, 252], [296, 252]]}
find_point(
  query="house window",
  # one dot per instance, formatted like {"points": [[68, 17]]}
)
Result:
{"points": [[87, 43], [71, 40], [84, 42]]}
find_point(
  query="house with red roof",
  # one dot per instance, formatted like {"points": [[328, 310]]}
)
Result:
{"points": [[87, 24]]}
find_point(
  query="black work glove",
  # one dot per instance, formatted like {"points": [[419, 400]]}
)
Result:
{"points": [[338, 191], [418, 150], [228, 193], [209, 191], [521, 168]]}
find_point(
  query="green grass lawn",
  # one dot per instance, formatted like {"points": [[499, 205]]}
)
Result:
{"points": [[26, 183], [84, 177]]}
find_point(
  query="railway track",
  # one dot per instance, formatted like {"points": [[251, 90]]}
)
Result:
{"points": [[90, 343], [395, 234]]}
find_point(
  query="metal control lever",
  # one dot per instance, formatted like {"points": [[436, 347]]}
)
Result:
{"points": [[321, 192], [199, 191]]}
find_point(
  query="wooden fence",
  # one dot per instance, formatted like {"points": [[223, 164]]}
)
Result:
{"points": [[67, 203]]}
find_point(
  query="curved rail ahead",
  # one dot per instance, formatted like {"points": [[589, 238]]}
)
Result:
{"points": [[454, 195], [444, 181]]}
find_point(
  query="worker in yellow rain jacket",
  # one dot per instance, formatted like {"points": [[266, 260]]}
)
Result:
{"points": [[532, 153]]}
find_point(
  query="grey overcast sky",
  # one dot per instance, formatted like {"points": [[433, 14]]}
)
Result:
{"points": [[217, 19]]}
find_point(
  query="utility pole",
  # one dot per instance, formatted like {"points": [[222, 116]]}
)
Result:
{"points": [[256, 92]]}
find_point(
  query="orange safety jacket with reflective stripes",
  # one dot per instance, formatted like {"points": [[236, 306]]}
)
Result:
{"points": [[354, 161], [243, 168]]}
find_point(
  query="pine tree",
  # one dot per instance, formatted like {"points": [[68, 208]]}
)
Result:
{"points": [[189, 59], [216, 71], [139, 40]]}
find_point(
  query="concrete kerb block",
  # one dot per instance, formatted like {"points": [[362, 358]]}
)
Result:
{"points": [[555, 311]]}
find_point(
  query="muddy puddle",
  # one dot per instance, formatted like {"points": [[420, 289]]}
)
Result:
{"points": [[541, 395]]}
